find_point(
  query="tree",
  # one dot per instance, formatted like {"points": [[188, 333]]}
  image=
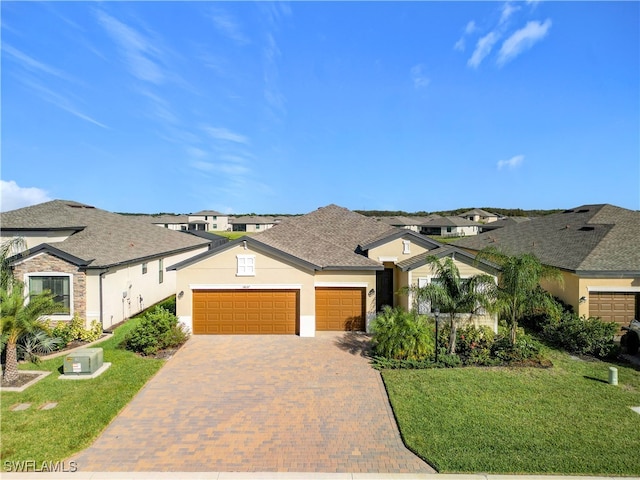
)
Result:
{"points": [[519, 293], [7, 248], [19, 316], [452, 294]]}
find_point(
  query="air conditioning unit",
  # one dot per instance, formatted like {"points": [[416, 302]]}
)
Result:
{"points": [[83, 362]]}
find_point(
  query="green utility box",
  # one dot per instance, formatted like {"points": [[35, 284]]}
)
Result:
{"points": [[83, 362]]}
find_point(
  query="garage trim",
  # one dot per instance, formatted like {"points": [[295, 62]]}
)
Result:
{"points": [[613, 289], [230, 286], [341, 284]]}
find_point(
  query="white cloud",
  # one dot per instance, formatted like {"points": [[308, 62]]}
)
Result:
{"points": [[459, 45], [483, 48], [508, 9], [522, 40], [470, 28], [227, 26], [31, 63], [226, 135], [136, 48], [513, 162], [14, 196], [419, 77]]}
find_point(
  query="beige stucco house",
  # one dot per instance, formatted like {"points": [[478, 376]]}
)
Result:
{"points": [[597, 249], [331, 269], [99, 265], [208, 220]]}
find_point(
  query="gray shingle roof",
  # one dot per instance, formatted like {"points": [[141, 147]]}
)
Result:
{"points": [[478, 211], [450, 222], [327, 237], [591, 238], [104, 238]]}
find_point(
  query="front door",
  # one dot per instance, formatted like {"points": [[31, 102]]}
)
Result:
{"points": [[384, 288]]}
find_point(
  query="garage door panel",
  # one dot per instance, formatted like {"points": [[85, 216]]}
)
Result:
{"points": [[245, 311], [340, 309], [618, 307]]}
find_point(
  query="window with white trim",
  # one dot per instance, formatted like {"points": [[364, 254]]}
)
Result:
{"points": [[406, 247], [160, 271], [246, 265], [60, 287], [144, 267], [423, 306]]}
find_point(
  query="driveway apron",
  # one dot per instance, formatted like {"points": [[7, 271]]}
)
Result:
{"points": [[270, 403]]}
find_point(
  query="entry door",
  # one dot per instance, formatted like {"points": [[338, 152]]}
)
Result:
{"points": [[384, 288]]}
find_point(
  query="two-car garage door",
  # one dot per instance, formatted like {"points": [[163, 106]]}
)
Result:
{"points": [[257, 312], [618, 307], [274, 311]]}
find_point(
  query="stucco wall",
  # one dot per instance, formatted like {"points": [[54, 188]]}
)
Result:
{"points": [[34, 238], [426, 271], [394, 249]]}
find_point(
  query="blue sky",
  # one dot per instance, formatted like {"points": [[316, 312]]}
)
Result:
{"points": [[286, 107]]}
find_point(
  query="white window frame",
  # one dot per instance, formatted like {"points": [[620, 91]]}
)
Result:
{"points": [[246, 265], [406, 247], [27, 293]]}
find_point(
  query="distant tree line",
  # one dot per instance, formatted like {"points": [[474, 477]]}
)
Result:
{"points": [[505, 212]]}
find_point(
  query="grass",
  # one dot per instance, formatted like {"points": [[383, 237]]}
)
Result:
{"points": [[562, 420], [232, 235], [85, 407]]}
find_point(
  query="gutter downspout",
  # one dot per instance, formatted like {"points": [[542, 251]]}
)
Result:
{"points": [[101, 300]]}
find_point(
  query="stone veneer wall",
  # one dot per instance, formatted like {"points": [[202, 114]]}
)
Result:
{"points": [[48, 263]]}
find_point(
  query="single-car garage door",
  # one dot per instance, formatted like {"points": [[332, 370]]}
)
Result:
{"points": [[340, 309], [245, 311], [613, 306]]}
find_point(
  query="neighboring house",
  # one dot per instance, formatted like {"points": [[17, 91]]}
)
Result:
{"points": [[99, 265], [410, 223], [597, 249], [450, 227], [503, 222], [172, 222], [208, 220], [253, 224], [480, 216], [331, 269]]}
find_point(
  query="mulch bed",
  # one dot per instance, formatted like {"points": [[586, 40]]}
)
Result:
{"points": [[23, 379]]}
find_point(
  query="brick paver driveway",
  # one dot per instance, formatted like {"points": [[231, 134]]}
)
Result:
{"points": [[258, 403]]}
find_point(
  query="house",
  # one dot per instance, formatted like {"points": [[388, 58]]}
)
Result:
{"points": [[450, 227], [208, 220], [597, 249], [252, 223], [99, 265], [172, 222], [410, 223], [331, 269], [479, 215]]}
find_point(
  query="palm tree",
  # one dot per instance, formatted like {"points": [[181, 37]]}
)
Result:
{"points": [[21, 315], [8, 248], [452, 294], [519, 293]]}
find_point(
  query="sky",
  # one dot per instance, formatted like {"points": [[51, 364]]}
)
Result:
{"points": [[244, 107]]}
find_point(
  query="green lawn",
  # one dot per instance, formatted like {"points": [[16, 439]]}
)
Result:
{"points": [[563, 420], [85, 407], [232, 235]]}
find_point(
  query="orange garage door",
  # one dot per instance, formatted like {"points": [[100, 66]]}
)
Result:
{"points": [[245, 311], [613, 307], [340, 309]]}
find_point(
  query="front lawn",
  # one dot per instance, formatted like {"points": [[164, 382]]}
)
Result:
{"points": [[563, 420], [85, 407]]}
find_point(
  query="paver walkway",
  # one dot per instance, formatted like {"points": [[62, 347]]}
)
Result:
{"points": [[258, 404]]}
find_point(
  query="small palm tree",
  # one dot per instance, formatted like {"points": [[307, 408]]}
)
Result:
{"points": [[518, 292], [452, 294], [21, 315], [8, 248]]}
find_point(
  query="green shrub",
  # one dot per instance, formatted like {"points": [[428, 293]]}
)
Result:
{"points": [[169, 304], [402, 335], [581, 335], [474, 345], [157, 330], [525, 348], [74, 330]]}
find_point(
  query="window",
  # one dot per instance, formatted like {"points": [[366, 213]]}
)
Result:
{"points": [[160, 271], [246, 265], [406, 247], [257, 227], [424, 306], [58, 285], [214, 226], [144, 268]]}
